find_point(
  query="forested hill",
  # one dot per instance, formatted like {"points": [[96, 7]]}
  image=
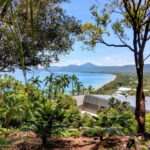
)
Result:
{"points": [[88, 67]]}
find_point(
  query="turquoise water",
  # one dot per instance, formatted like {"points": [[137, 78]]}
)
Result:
{"points": [[95, 79]]}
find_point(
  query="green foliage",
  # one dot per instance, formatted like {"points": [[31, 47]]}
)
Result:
{"points": [[88, 121], [60, 116], [72, 117], [58, 84], [117, 115], [14, 104], [47, 118], [122, 80], [3, 142], [71, 132], [147, 122], [94, 131], [5, 132], [65, 101], [35, 33]]}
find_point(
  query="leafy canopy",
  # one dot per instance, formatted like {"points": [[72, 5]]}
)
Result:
{"points": [[50, 34]]}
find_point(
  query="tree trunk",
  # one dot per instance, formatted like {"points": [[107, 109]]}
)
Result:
{"points": [[140, 102], [44, 140]]}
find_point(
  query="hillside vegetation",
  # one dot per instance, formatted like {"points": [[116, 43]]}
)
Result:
{"points": [[124, 80]]}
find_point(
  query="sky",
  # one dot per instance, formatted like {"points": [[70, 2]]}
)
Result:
{"points": [[101, 55]]}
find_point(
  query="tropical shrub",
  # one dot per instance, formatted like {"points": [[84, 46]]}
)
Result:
{"points": [[72, 117], [14, 106], [65, 101], [88, 121], [117, 115], [47, 119]]}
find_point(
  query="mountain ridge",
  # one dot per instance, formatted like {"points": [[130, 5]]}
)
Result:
{"points": [[89, 67]]}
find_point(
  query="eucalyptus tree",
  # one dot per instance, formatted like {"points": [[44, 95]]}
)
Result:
{"points": [[131, 28], [34, 33]]}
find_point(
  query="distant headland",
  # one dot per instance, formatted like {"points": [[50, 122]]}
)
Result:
{"points": [[89, 67]]}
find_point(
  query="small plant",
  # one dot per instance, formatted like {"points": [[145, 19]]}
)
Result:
{"points": [[47, 119], [71, 132]]}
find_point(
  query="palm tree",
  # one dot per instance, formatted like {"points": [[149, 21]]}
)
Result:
{"points": [[49, 79], [65, 81], [90, 89], [79, 88], [74, 79], [35, 81], [57, 86]]}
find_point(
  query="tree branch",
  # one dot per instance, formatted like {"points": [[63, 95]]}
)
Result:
{"points": [[127, 9], [138, 6], [146, 33], [123, 42], [116, 45], [146, 57], [133, 5], [145, 14], [117, 12]]}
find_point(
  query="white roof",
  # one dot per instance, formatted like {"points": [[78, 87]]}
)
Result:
{"points": [[124, 89]]}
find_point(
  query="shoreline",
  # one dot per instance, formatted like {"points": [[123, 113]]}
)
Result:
{"points": [[115, 76]]}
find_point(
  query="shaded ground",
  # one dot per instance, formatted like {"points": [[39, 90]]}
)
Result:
{"points": [[29, 141]]}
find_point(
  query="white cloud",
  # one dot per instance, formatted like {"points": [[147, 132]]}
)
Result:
{"points": [[58, 64], [63, 63], [75, 62], [107, 58]]}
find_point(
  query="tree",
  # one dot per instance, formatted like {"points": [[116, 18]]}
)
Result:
{"points": [[64, 82], [79, 88], [51, 33], [35, 81], [49, 80], [74, 79], [132, 17], [90, 89]]}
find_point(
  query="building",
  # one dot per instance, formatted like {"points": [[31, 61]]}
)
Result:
{"points": [[92, 103]]}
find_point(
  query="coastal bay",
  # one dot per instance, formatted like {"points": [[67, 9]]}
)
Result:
{"points": [[96, 80]]}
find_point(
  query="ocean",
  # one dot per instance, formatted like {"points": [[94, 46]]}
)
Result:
{"points": [[97, 80]]}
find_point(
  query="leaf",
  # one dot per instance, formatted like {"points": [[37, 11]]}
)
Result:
{"points": [[2, 3], [6, 4]]}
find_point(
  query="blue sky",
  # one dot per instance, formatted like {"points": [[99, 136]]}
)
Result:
{"points": [[101, 55]]}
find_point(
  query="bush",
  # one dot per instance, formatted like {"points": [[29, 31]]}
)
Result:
{"points": [[65, 101], [72, 117], [88, 121], [117, 115]]}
